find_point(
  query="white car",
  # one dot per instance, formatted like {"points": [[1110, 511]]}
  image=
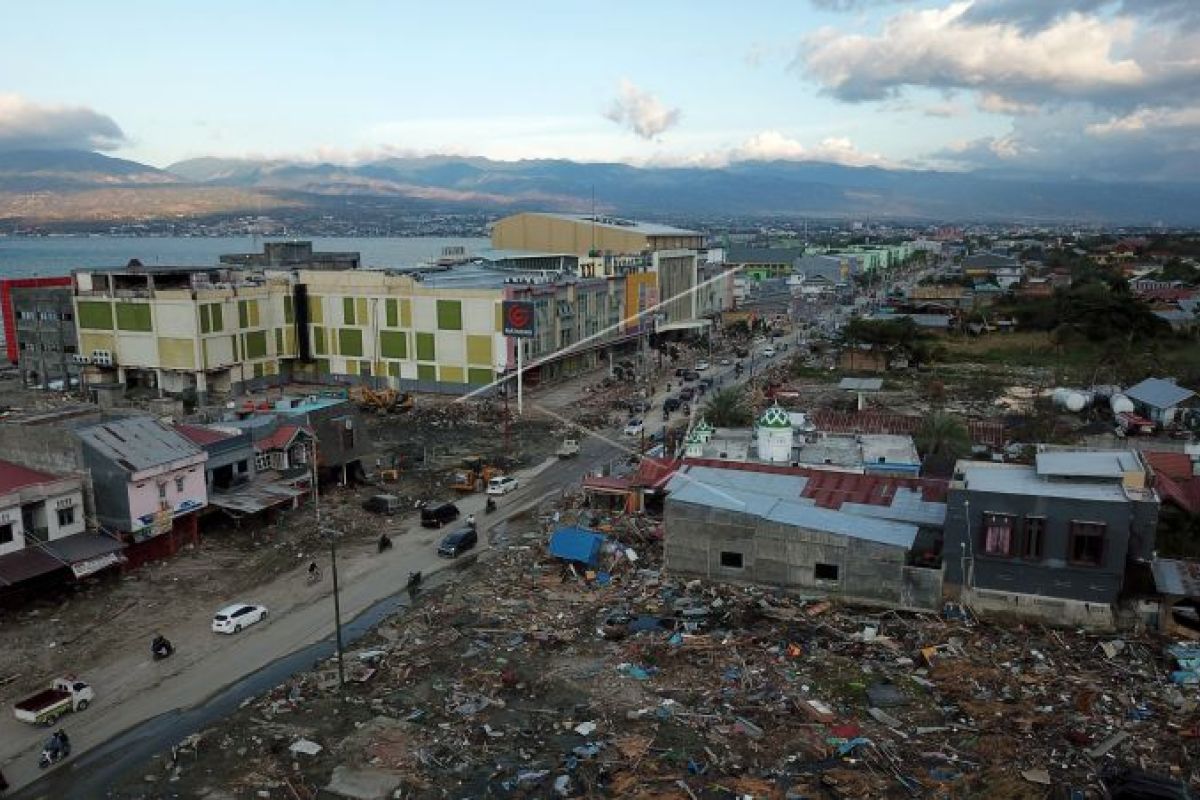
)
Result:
{"points": [[232, 618], [634, 428], [725, 362], [701, 366], [502, 485], [769, 352]]}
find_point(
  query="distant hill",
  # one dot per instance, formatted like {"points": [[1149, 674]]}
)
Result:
{"points": [[447, 183]]}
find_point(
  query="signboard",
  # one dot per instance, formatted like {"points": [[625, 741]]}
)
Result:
{"points": [[91, 566], [518, 318]]}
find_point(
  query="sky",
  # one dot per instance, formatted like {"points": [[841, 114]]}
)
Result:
{"points": [[1096, 88]]}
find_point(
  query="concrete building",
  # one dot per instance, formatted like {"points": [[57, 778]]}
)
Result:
{"points": [[293, 255], [39, 330], [585, 234], [864, 538], [43, 531], [760, 263], [149, 484], [1051, 539]]}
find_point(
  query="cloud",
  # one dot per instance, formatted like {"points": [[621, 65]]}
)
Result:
{"points": [[851, 5], [1032, 14], [641, 112], [772, 145], [993, 103], [26, 125], [1148, 119]]}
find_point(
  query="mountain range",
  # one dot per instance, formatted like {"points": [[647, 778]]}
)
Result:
{"points": [[62, 185]]}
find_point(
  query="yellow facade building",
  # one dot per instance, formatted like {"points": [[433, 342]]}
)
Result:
{"points": [[585, 234]]}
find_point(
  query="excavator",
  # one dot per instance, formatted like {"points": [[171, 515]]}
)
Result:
{"points": [[473, 475], [382, 401]]}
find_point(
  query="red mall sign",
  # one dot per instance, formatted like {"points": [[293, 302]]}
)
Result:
{"points": [[518, 318]]}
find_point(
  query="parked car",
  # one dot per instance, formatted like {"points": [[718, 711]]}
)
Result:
{"points": [[686, 394], [741, 352], [638, 406], [634, 427], [457, 543], [387, 504], [691, 375], [725, 362], [701, 366], [64, 696], [671, 404], [232, 618], [435, 516], [503, 485], [769, 352], [679, 372]]}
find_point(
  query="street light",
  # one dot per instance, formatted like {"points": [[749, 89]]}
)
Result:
{"points": [[332, 534]]}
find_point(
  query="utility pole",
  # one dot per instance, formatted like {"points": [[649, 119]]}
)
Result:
{"points": [[332, 534]]}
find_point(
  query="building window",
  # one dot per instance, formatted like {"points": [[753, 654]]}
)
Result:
{"points": [[179, 484], [825, 572], [731, 560], [1086, 545], [998, 532], [66, 517], [6, 533], [162, 491], [262, 461], [1035, 537]]}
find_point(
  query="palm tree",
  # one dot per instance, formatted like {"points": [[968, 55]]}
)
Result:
{"points": [[727, 409], [942, 439]]}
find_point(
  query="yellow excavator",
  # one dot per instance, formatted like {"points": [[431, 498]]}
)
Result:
{"points": [[473, 475], [382, 401]]}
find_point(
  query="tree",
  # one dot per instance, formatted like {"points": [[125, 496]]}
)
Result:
{"points": [[942, 439], [727, 409]]}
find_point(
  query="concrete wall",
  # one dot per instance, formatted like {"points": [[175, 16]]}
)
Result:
{"points": [[787, 557], [46, 337], [1052, 575]]}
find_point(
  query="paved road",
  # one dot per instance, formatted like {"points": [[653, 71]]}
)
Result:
{"points": [[131, 688]]}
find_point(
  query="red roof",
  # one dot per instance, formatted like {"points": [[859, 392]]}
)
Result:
{"points": [[281, 438], [606, 482], [14, 477], [831, 488], [202, 434], [1173, 465], [1170, 295], [653, 473]]}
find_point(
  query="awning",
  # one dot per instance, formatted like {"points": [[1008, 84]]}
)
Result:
{"points": [[26, 564], [688, 325], [86, 553], [606, 484], [255, 497], [1176, 578]]}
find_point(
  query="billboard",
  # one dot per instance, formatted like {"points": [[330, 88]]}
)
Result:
{"points": [[518, 318], [641, 295]]}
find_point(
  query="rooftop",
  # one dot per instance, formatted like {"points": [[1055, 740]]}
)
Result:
{"points": [[1159, 393], [777, 499], [1109, 464], [14, 477], [615, 223], [137, 443], [982, 476], [203, 434]]}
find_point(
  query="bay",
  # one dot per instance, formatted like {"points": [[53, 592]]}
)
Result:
{"points": [[23, 257]]}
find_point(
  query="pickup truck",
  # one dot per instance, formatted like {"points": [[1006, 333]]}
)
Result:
{"points": [[568, 448], [64, 696]]}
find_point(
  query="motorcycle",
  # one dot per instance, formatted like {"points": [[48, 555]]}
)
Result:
{"points": [[55, 749], [414, 580], [490, 507], [160, 648], [385, 542]]}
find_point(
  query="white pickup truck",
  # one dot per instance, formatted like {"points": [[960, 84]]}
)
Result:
{"points": [[64, 696], [568, 449]]}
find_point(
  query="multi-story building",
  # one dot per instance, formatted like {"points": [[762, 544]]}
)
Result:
{"points": [[293, 255], [588, 234], [1050, 539], [39, 330]]}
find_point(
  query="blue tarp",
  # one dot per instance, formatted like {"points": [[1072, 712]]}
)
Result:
{"points": [[576, 544]]}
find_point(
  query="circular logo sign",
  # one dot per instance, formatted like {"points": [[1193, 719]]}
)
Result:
{"points": [[519, 316]]}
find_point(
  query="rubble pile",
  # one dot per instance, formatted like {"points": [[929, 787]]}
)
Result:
{"points": [[531, 676]]}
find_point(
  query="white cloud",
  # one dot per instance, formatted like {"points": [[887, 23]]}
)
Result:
{"points": [[1074, 57], [27, 125], [993, 103], [1148, 119], [641, 111], [772, 145]]}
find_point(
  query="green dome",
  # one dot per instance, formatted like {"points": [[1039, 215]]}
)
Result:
{"points": [[703, 427], [775, 417]]}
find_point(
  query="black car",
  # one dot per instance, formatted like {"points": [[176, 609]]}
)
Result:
{"points": [[687, 393], [457, 543], [691, 375], [671, 404], [439, 515], [679, 372]]}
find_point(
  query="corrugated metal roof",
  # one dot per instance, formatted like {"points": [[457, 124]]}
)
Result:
{"points": [[797, 513], [614, 223], [1179, 578], [1159, 393], [137, 443], [1022, 479], [14, 476]]}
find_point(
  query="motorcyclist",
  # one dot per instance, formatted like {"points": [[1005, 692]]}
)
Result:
{"points": [[385, 542], [490, 507], [160, 646], [471, 520]]}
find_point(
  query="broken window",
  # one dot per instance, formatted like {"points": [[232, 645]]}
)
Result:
{"points": [[1035, 537], [998, 532], [825, 572], [731, 560], [6, 533], [1086, 546], [66, 517]]}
